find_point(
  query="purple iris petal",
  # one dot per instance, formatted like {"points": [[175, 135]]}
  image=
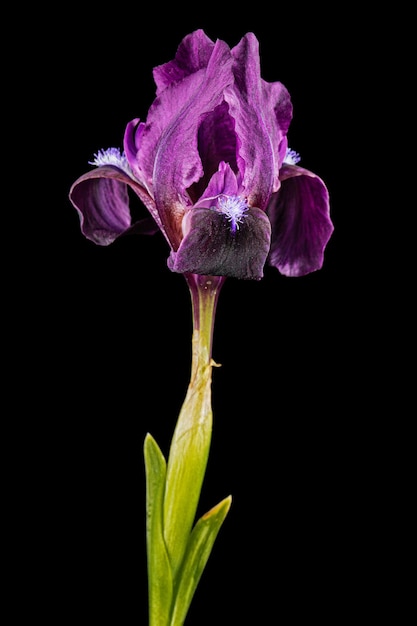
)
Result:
{"points": [[262, 113], [193, 54], [301, 225], [177, 161], [102, 202], [212, 247]]}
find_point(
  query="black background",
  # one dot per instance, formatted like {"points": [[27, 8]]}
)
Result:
{"points": [[296, 436]]}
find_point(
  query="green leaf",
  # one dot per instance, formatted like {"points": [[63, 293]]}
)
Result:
{"points": [[160, 586], [198, 551]]}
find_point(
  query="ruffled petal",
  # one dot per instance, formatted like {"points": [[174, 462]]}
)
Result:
{"points": [[276, 100], [193, 54], [102, 201], [300, 219], [252, 105], [177, 162], [162, 114], [210, 247], [131, 143]]}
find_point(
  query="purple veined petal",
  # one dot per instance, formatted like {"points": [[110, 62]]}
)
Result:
{"points": [[251, 104], [102, 201], [211, 247], [182, 104], [130, 143], [193, 54], [177, 163], [300, 219]]}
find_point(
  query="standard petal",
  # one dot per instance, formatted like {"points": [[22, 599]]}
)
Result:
{"points": [[193, 54], [177, 163], [169, 142], [256, 159], [102, 202], [277, 100], [211, 248], [163, 113], [300, 220]]}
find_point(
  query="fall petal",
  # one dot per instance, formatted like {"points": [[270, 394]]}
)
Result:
{"points": [[102, 202], [211, 247], [300, 220]]}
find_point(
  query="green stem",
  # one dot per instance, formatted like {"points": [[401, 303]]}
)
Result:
{"points": [[192, 436], [204, 292]]}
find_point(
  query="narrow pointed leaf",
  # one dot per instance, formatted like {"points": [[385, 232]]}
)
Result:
{"points": [[160, 585], [199, 548]]}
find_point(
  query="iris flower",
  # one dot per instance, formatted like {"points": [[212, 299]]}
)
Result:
{"points": [[211, 164]]}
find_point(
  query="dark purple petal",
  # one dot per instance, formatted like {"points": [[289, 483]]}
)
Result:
{"points": [[102, 202], [300, 220], [211, 247]]}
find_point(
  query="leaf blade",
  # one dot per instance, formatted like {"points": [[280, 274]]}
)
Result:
{"points": [[160, 584], [199, 548]]}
